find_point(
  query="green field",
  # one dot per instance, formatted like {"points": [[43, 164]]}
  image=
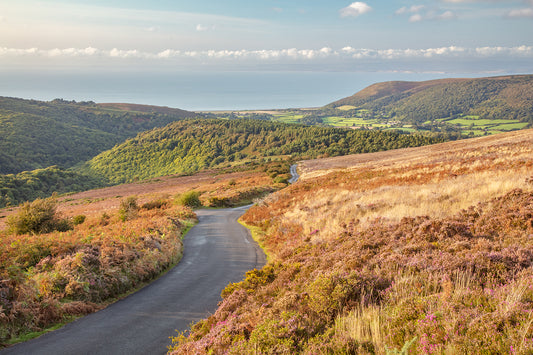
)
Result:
{"points": [[287, 118], [352, 121], [467, 125]]}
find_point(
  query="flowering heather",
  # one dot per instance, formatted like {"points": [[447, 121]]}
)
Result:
{"points": [[350, 273], [47, 278]]}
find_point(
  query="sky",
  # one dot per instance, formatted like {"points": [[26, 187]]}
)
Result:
{"points": [[421, 36]]}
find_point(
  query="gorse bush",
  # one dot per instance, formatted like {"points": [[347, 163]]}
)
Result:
{"points": [[190, 199], [39, 216], [78, 219]]}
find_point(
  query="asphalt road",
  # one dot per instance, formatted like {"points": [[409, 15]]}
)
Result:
{"points": [[294, 175], [217, 251]]}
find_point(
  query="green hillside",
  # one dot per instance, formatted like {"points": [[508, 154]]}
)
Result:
{"points": [[36, 134], [40, 183], [505, 97], [188, 146]]}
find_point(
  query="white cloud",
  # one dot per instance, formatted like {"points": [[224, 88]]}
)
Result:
{"points": [[447, 15], [432, 16], [355, 9], [409, 10], [520, 13], [277, 9], [344, 53], [415, 18]]}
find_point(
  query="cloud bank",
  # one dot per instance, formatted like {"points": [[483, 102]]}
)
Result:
{"points": [[268, 54], [451, 59]]}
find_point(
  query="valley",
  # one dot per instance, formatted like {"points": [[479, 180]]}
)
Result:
{"points": [[399, 233]]}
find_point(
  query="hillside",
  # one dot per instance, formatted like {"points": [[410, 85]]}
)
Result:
{"points": [[189, 146], [424, 250], [148, 109], [505, 97], [111, 242], [36, 134]]}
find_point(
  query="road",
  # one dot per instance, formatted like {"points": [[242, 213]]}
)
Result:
{"points": [[217, 251], [294, 174]]}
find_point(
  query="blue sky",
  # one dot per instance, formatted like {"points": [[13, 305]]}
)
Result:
{"points": [[467, 36]]}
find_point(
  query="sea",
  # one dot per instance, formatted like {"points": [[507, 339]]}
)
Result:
{"points": [[200, 91]]}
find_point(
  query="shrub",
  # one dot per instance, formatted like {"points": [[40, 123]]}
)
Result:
{"points": [[160, 203], [281, 179], [79, 219], [215, 201], [190, 199], [38, 216], [128, 209]]}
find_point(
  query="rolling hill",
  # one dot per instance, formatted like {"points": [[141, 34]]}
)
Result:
{"points": [[188, 146], [422, 251], [504, 97], [36, 134]]}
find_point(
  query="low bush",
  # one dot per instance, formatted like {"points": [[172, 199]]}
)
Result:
{"points": [[39, 216], [129, 209], [46, 278], [78, 219], [190, 199]]}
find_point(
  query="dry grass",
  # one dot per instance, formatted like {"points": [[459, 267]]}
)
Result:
{"points": [[424, 251], [208, 183], [410, 156], [430, 181], [45, 278]]}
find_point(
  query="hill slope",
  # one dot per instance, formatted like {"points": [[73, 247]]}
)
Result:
{"points": [[191, 145], [426, 250], [36, 134], [505, 97]]}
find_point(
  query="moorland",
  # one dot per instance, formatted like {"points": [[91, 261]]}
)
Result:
{"points": [[424, 250], [420, 241]]}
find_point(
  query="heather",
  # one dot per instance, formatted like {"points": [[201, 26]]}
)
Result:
{"points": [[65, 257], [425, 255], [48, 277]]}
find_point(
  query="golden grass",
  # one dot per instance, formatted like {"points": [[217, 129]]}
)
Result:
{"points": [[412, 182], [364, 325]]}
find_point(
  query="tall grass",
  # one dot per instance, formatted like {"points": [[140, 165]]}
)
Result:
{"points": [[426, 255]]}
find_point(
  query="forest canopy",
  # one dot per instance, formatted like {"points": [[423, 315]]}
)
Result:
{"points": [[187, 146]]}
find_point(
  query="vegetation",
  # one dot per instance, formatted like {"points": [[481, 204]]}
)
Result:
{"points": [[49, 277], [66, 133], [509, 98], [42, 183], [188, 146], [39, 216], [190, 199], [119, 237], [129, 209], [422, 251]]}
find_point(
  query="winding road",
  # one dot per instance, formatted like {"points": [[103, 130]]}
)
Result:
{"points": [[217, 251], [294, 174]]}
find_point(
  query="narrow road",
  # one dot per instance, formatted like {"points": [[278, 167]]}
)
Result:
{"points": [[218, 251], [294, 174]]}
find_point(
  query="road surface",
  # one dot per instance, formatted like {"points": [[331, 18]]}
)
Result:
{"points": [[294, 174], [217, 251]]}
